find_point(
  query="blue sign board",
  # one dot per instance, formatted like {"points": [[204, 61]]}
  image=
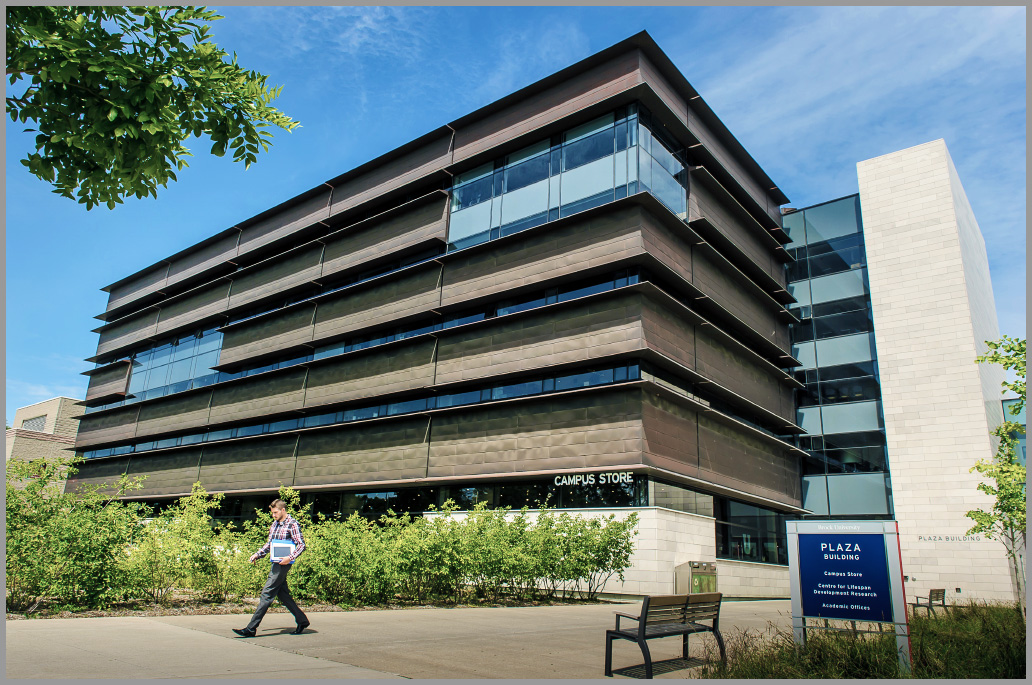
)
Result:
{"points": [[844, 576]]}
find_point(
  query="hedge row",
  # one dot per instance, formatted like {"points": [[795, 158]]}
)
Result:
{"points": [[87, 550]]}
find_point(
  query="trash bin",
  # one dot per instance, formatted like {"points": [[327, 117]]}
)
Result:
{"points": [[695, 576]]}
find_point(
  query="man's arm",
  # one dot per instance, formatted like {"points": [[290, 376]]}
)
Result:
{"points": [[295, 533]]}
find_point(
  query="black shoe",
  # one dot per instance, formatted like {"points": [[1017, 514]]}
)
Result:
{"points": [[301, 628], [244, 632]]}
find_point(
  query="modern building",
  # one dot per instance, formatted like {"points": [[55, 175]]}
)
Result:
{"points": [[45, 430], [579, 294], [895, 303], [574, 295]]}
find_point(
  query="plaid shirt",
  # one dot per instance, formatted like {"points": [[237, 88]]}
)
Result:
{"points": [[283, 530]]}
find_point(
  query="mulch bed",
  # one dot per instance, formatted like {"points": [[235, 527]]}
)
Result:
{"points": [[184, 604]]}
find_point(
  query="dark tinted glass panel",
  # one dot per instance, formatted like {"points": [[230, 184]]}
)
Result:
{"points": [[361, 413], [320, 420], [802, 331], [244, 431], [843, 324], [857, 460], [525, 173], [583, 380], [471, 193], [457, 399], [848, 304], [831, 373], [585, 150], [849, 390], [406, 407], [862, 439]]}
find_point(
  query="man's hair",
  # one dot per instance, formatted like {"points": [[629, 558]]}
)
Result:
{"points": [[278, 504]]}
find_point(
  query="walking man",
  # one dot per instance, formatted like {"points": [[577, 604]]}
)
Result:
{"points": [[284, 527]]}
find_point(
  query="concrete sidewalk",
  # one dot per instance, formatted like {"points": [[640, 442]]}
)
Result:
{"points": [[524, 642]]}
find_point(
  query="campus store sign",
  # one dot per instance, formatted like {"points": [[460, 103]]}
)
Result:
{"points": [[846, 570]]}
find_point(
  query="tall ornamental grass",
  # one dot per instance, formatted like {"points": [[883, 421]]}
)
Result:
{"points": [[976, 640]]}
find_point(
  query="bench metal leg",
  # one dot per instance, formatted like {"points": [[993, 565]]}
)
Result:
{"points": [[720, 645], [609, 656], [684, 646], [648, 658]]}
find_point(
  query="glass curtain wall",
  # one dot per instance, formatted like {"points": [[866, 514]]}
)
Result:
{"points": [[608, 158], [840, 408]]}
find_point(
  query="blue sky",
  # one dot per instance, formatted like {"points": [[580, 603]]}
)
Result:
{"points": [[808, 91]]}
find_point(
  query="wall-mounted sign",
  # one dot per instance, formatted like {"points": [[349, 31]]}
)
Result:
{"points": [[604, 478], [847, 570]]}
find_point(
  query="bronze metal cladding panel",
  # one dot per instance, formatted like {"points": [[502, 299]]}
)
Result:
{"points": [[732, 458], [207, 301], [147, 282], [113, 381], [583, 430], [395, 233], [255, 397], [667, 333], [118, 426], [433, 156], [671, 249], [259, 463], [285, 222], [174, 413], [97, 472], [671, 436], [275, 275], [735, 297], [732, 166], [561, 251], [548, 106], [167, 473], [597, 328], [208, 256], [271, 333], [132, 330], [702, 203], [739, 373], [412, 292], [664, 90], [370, 375], [390, 450]]}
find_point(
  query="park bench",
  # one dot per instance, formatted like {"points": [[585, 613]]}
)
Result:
{"points": [[668, 616], [934, 598]]}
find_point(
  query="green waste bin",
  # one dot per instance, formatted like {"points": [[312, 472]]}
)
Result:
{"points": [[695, 576]]}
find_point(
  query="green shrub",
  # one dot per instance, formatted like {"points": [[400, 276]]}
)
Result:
{"points": [[66, 547], [973, 641]]}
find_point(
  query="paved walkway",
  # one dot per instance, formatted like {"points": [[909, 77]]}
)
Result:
{"points": [[525, 642]]}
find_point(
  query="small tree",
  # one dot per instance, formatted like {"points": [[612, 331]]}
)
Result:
{"points": [[1005, 520]]}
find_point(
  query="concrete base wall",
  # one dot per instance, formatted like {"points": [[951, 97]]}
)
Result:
{"points": [[749, 579]]}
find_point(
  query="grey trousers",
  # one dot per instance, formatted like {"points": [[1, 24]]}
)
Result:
{"points": [[276, 588]]}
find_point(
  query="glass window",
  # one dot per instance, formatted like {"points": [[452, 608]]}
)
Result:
{"points": [[470, 226], [456, 399], [525, 173], [285, 425], [191, 439], [857, 494], [815, 494], [360, 414], [516, 390], [849, 304], [184, 347], [161, 355], [805, 352], [849, 418], [830, 373], [832, 220], [809, 419], [666, 188], [583, 380], [850, 349], [838, 286], [793, 225], [587, 181], [849, 390], [801, 291], [246, 431], [406, 407], [204, 362], [320, 420], [156, 377], [842, 324], [223, 434], [179, 371], [526, 205]]}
